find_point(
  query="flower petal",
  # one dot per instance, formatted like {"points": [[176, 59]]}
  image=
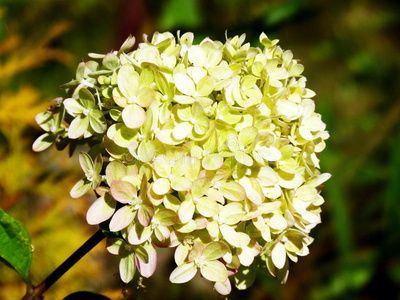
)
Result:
{"points": [[183, 273], [101, 210], [122, 218], [133, 116], [184, 83]]}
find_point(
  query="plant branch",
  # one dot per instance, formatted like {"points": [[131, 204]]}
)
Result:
{"points": [[37, 291]]}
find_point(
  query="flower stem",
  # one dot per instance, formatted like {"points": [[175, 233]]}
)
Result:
{"points": [[37, 291]]}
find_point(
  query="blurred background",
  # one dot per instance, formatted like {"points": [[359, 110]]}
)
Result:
{"points": [[350, 50]]}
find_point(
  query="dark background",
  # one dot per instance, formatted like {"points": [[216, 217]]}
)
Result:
{"points": [[350, 50]]}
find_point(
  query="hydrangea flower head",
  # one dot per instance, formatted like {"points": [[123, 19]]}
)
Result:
{"points": [[209, 149]]}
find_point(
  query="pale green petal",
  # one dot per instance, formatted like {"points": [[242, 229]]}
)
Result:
{"points": [[212, 161], [145, 214], [207, 207], [97, 121], [80, 188], [139, 234], [186, 211], [307, 193], [244, 158], [78, 127], [200, 187], [248, 136], [181, 184], [197, 56], [278, 222], [232, 213], [290, 181], [201, 125], [183, 273], [133, 116], [122, 218], [146, 151], [166, 217], [185, 112], [278, 255], [223, 287], [188, 227], [205, 86], [182, 99], [127, 267], [124, 136], [86, 98], [233, 142], [220, 72], [161, 186], [214, 270], [128, 81], [165, 137], [182, 130], [230, 235], [267, 176], [43, 142], [123, 191], [215, 250], [184, 83], [73, 106], [233, 191], [145, 96], [162, 166], [101, 210], [318, 180]]}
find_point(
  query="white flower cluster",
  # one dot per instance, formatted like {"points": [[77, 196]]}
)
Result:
{"points": [[209, 148]]}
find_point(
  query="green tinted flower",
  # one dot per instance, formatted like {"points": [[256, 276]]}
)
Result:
{"points": [[209, 148]]}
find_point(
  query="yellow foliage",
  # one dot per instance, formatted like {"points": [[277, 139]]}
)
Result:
{"points": [[34, 188], [25, 55]]}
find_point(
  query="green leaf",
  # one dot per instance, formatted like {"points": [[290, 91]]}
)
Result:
{"points": [[244, 278], [15, 245]]}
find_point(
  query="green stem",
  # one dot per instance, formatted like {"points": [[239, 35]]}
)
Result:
{"points": [[37, 291]]}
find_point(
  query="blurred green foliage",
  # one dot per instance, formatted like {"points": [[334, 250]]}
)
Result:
{"points": [[350, 50]]}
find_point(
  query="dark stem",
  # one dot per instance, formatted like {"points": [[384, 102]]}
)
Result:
{"points": [[37, 291]]}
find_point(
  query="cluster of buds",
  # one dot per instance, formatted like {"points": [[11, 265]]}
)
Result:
{"points": [[210, 149]]}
